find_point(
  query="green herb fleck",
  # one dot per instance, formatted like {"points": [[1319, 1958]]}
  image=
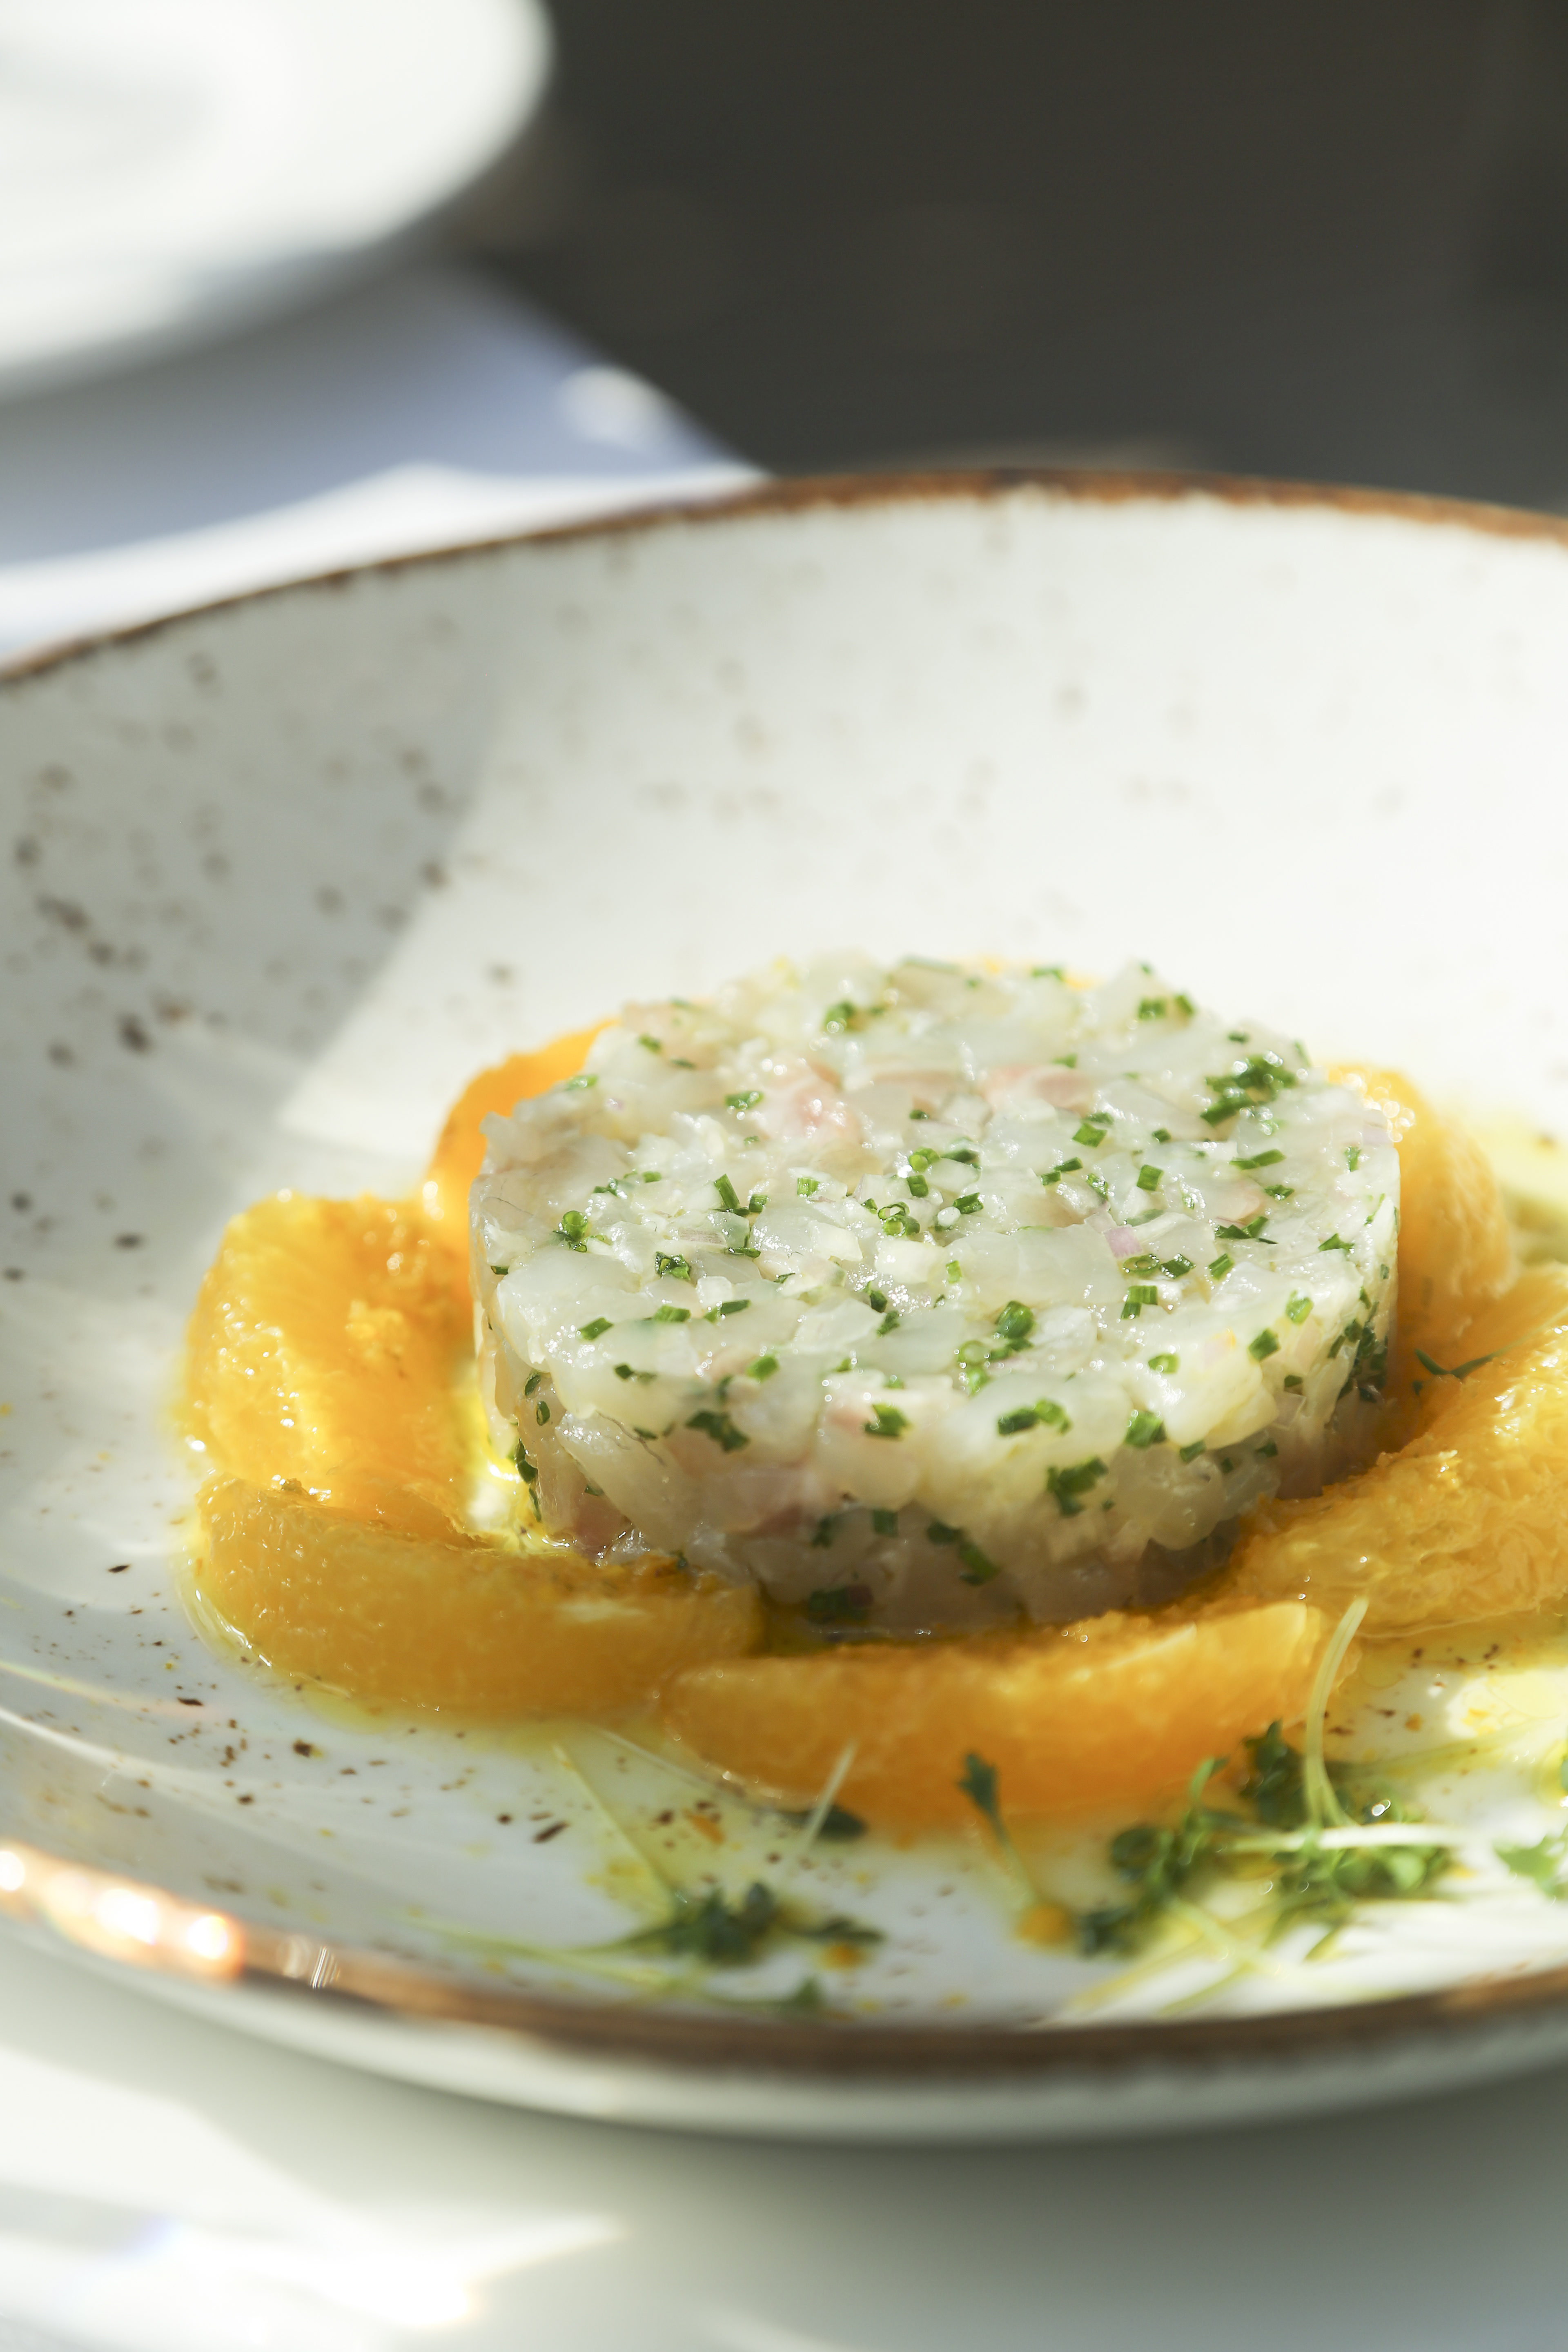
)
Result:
{"points": [[573, 1226], [1263, 1346], [887, 1421], [592, 1330], [720, 1429], [1298, 1306], [1166, 1364], [1066, 1485], [677, 1268], [1143, 1430], [748, 1099], [975, 1568]]}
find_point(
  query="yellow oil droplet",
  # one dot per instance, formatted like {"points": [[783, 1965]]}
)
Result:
{"points": [[1045, 1923], [843, 1956], [1413, 1723]]}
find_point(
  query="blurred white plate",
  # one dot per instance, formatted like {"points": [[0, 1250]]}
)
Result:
{"points": [[170, 168], [281, 874]]}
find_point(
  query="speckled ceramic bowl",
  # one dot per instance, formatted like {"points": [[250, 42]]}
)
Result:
{"points": [[283, 872]]}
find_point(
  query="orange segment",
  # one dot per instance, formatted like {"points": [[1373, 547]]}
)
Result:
{"points": [[431, 1622], [323, 1348], [1467, 1519], [1456, 1252], [461, 1150], [1113, 1710]]}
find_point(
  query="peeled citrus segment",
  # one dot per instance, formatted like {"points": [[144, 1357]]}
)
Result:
{"points": [[431, 1622], [1467, 1520], [460, 1154], [1456, 1252], [323, 1348], [1114, 1710]]}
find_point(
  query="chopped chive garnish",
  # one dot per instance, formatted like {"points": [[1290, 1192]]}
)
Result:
{"points": [[1352, 1157], [1191, 1453], [917, 1184], [1259, 1160], [728, 1307], [1044, 1414], [1293, 1382], [889, 1322], [806, 1186], [592, 1330], [1160, 1135], [747, 1099], [526, 1470], [542, 1412], [573, 1226], [838, 1017], [727, 1194], [1015, 1322], [500, 1269], [1176, 1266], [1281, 1192], [920, 1114], [1153, 1008], [533, 1382], [1298, 1306], [1143, 1430], [1139, 1295], [885, 1523], [1186, 1005], [1220, 1267], [1166, 1363], [1267, 1451], [1047, 971], [887, 1421], [1149, 1179], [1334, 1242], [764, 1368], [968, 1205], [652, 1043], [1091, 1132], [954, 1270], [1250, 1231], [1066, 1485], [1063, 1168], [720, 1429], [1263, 1346], [672, 1315], [678, 1269], [584, 1078], [939, 1534], [977, 1568]]}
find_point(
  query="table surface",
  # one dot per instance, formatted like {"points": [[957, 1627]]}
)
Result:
{"points": [[164, 2183]]}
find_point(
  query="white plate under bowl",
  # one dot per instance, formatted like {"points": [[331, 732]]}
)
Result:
{"points": [[171, 169], [282, 873]]}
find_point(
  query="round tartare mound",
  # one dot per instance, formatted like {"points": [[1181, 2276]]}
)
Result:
{"points": [[924, 1296]]}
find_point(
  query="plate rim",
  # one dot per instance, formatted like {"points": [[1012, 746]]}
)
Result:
{"points": [[815, 493], [356, 1978]]}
